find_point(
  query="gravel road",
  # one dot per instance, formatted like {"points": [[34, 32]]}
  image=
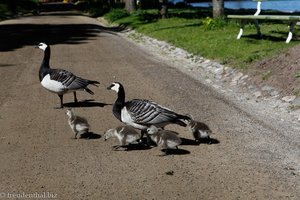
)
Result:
{"points": [[252, 157]]}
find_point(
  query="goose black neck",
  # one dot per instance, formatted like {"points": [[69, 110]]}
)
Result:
{"points": [[121, 95], [46, 59], [120, 103], [45, 67]]}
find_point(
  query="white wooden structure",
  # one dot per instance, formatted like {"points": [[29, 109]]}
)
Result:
{"points": [[289, 18]]}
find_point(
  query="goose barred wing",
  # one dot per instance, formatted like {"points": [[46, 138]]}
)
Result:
{"points": [[69, 80], [148, 112]]}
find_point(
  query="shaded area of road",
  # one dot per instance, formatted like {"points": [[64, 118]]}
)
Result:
{"points": [[13, 36]]}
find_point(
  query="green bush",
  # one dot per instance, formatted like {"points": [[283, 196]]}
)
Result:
{"points": [[116, 14], [97, 7], [211, 23], [3, 11], [144, 15]]}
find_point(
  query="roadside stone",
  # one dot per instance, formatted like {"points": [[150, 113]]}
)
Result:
{"points": [[244, 77], [267, 88], [236, 78], [274, 93], [288, 98], [257, 94], [297, 114], [197, 59], [275, 103], [206, 62], [284, 106], [219, 71], [251, 87], [208, 81], [228, 71], [296, 102]]}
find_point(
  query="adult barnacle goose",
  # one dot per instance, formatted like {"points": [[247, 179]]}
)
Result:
{"points": [[60, 81], [141, 114]]}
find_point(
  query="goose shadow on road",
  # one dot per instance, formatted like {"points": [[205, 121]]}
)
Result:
{"points": [[90, 135], [85, 103], [209, 141]]}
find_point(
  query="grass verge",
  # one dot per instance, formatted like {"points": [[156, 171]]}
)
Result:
{"points": [[196, 32]]}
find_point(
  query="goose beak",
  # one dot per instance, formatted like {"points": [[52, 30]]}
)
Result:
{"points": [[109, 87]]}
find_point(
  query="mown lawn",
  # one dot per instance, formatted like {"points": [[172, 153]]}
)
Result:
{"points": [[213, 39]]}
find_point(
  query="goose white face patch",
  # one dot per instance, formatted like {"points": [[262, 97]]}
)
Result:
{"points": [[116, 87], [51, 85], [43, 46]]}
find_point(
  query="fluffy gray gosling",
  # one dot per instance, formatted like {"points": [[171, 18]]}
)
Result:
{"points": [[164, 138], [199, 130], [125, 134], [79, 125]]}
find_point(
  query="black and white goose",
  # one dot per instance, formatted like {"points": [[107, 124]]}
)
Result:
{"points": [[60, 81], [141, 114]]}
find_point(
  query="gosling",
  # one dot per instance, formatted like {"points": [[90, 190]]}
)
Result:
{"points": [[164, 138], [79, 125], [125, 134], [199, 130]]}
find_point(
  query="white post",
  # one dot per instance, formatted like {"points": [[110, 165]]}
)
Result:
{"points": [[290, 35], [240, 34], [258, 8]]}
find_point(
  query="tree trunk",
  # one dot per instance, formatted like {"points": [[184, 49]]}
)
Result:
{"points": [[111, 3], [218, 8], [130, 5], [164, 9]]}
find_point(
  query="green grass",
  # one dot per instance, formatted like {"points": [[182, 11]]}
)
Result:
{"points": [[297, 75], [213, 39]]}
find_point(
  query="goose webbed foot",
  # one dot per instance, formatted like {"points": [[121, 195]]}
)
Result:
{"points": [[118, 147], [165, 152], [59, 107]]}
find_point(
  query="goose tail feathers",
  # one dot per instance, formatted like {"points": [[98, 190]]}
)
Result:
{"points": [[93, 83], [89, 91], [182, 120]]}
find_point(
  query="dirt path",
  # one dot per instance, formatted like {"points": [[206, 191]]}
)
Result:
{"points": [[253, 159]]}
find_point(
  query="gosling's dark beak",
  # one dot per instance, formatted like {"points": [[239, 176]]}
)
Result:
{"points": [[105, 139]]}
